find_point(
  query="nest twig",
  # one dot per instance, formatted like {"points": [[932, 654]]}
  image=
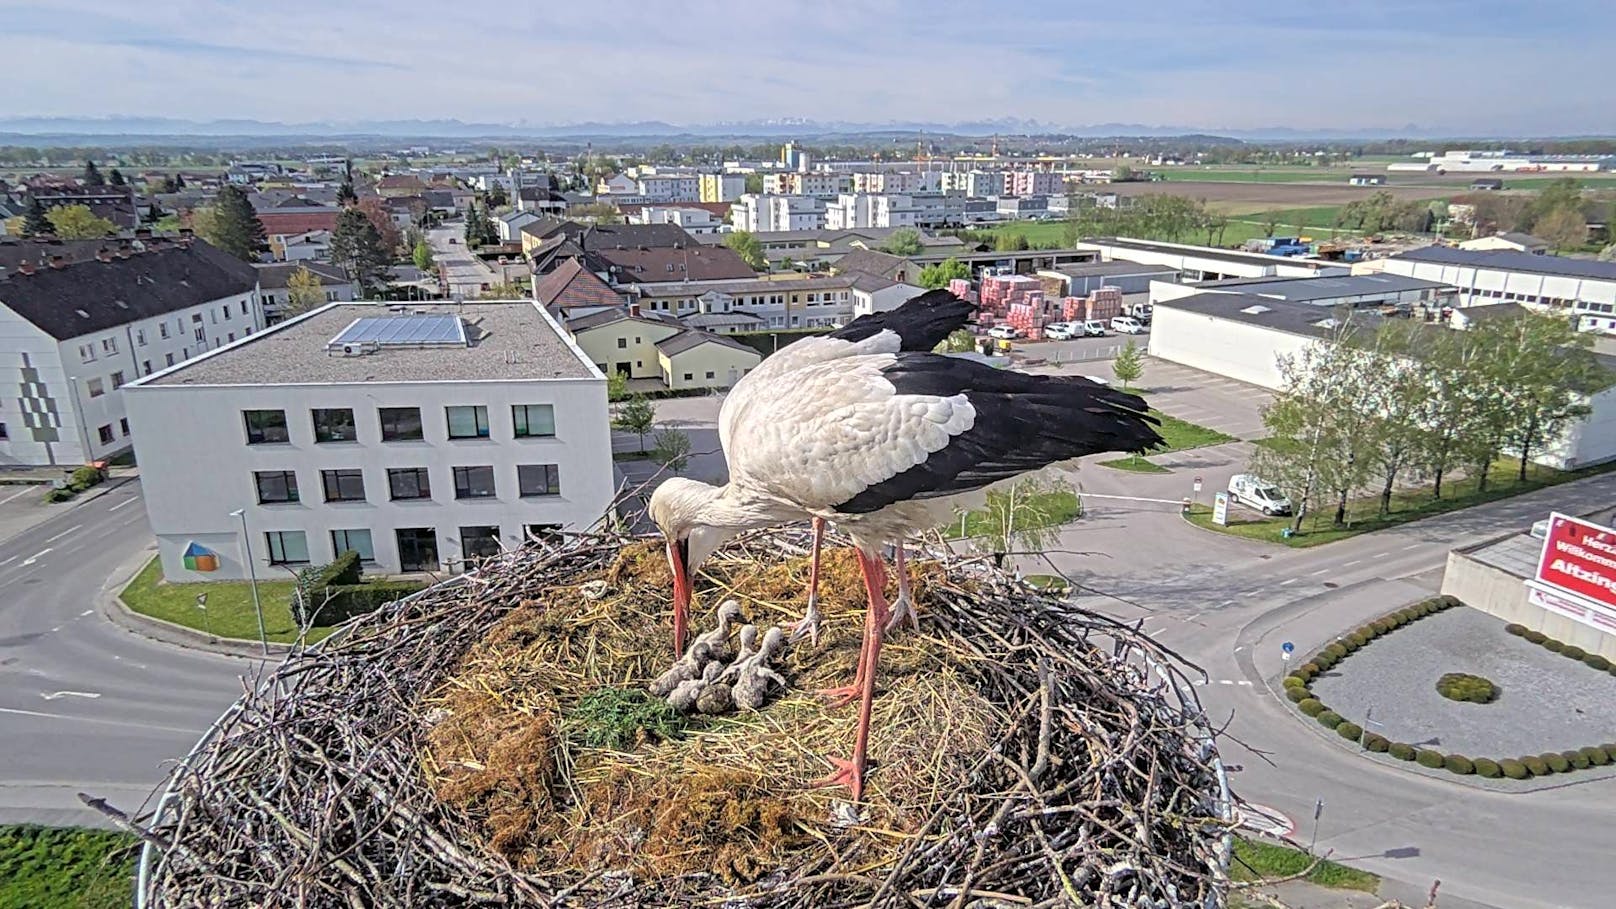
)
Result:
{"points": [[1094, 782]]}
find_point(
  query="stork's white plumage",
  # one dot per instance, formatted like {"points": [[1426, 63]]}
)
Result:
{"points": [[885, 443]]}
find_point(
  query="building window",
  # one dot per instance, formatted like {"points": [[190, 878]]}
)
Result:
{"points": [[400, 424], [97, 389], [333, 424], [409, 483], [265, 426], [287, 547], [418, 549], [689, 377], [169, 359], [123, 426], [539, 479], [226, 310], [343, 485], [230, 337], [709, 374], [140, 337], [145, 367], [275, 486], [546, 533], [353, 541], [3, 433], [468, 422], [117, 380], [622, 344], [479, 542], [474, 482], [533, 420], [106, 434], [162, 329], [109, 345], [243, 307]]}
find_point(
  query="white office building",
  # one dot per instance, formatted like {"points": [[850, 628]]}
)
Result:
{"points": [[1583, 287], [754, 213], [851, 211], [420, 436], [75, 330]]}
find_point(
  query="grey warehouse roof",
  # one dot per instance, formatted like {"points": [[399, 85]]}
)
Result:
{"points": [[1279, 315], [1202, 252], [1512, 260], [509, 341], [1105, 269], [1300, 290]]}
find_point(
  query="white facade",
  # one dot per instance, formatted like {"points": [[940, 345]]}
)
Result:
{"points": [[979, 183], [1239, 350], [1594, 299], [693, 220], [722, 187], [819, 183], [901, 181], [851, 211], [199, 462], [671, 188], [1204, 263], [753, 212], [312, 246], [1033, 183], [509, 225]]}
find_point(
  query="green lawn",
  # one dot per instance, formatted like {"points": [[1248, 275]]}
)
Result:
{"points": [[1136, 464], [1063, 507], [1408, 504], [1317, 220], [1048, 582], [1255, 860], [1179, 435], [230, 606], [64, 868]]}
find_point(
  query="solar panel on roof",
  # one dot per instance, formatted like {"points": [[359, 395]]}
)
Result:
{"points": [[403, 331]]}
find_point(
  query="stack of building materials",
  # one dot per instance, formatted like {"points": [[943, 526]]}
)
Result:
{"points": [[1027, 317], [1105, 303], [999, 291], [961, 287]]}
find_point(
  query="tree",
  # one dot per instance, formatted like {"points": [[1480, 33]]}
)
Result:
{"points": [[617, 386], [179, 182], [1011, 242], [497, 197], [303, 293], [479, 229], [346, 195], [958, 341], [233, 226], [905, 241], [747, 247], [116, 178], [376, 210], [635, 415], [422, 254], [671, 449], [598, 212], [92, 175], [937, 276], [1025, 517], [509, 290], [36, 220], [754, 183], [1551, 374], [77, 222], [1270, 220], [357, 247], [1396, 399], [1608, 254], [1129, 364], [1563, 228]]}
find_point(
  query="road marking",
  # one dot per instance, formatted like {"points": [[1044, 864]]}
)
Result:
{"points": [[1351, 563], [1263, 819], [1287, 582], [70, 694], [128, 501], [1382, 555], [9, 561], [64, 533], [1252, 593], [1226, 603], [1319, 572], [17, 495], [1240, 648], [86, 612], [35, 557]]}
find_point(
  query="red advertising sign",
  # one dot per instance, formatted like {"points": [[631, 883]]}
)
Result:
{"points": [[1579, 558]]}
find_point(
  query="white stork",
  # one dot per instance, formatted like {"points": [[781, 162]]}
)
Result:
{"points": [[885, 443]]}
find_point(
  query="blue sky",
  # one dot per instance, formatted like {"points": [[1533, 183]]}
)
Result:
{"points": [[1475, 67]]}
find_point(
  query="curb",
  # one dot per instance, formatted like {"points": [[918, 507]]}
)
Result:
{"points": [[110, 604]]}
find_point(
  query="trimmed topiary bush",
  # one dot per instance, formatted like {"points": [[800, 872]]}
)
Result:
{"points": [[1557, 762], [1311, 706], [1297, 694], [1458, 763], [1428, 758], [1460, 686], [1595, 661], [1513, 769], [1488, 769], [1349, 731], [1574, 652], [1536, 766], [1312, 669], [1596, 756], [1329, 719], [1376, 743], [1447, 601], [1336, 651], [1515, 628], [1577, 759], [1401, 750], [1324, 661], [1536, 637], [1409, 615], [1554, 646], [1358, 638], [1293, 681], [1610, 751]]}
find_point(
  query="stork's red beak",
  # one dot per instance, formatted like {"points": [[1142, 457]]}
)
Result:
{"points": [[679, 561]]}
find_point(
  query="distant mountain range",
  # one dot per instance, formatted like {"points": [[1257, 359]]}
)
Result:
{"points": [[123, 127]]}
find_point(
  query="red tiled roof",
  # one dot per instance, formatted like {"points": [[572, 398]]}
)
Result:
{"points": [[571, 285], [278, 222], [663, 264]]}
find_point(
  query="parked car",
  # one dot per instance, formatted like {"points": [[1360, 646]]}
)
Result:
{"points": [[1127, 325], [1099, 380], [1061, 331], [1003, 333], [1255, 492], [1094, 328]]}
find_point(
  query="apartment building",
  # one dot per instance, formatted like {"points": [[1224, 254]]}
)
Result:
{"points": [[670, 188], [821, 184], [424, 437], [897, 181], [855, 210], [754, 213], [975, 183], [721, 187], [727, 307], [74, 332], [1032, 183]]}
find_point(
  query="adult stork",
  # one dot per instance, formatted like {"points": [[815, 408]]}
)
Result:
{"points": [[885, 444]]}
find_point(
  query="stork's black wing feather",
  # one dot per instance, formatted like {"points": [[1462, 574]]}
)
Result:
{"points": [[921, 323], [1023, 422]]}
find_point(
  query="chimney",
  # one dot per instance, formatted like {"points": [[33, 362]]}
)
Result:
{"points": [[25, 267], [143, 233], [58, 262], [634, 309]]}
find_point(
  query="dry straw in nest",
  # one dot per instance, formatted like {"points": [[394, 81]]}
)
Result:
{"points": [[439, 753]]}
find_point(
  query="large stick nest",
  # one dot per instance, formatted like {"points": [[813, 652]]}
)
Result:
{"points": [[486, 743]]}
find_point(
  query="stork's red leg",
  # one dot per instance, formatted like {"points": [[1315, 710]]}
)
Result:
{"points": [[904, 606], [850, 773], [809, 623]]}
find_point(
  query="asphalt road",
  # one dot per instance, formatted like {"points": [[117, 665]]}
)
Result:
{"points": [[84, 704], [467, 275]]}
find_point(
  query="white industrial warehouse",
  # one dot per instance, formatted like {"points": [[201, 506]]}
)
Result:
{"points": [[1581, 286]]}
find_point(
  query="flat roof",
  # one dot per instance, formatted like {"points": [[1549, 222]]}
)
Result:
{"points": [[1279, 315], [1300, 290], [1102, 269], [1206, 252], [1513, 260], [509, 340]]}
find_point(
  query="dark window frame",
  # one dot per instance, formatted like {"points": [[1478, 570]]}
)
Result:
{"points": [[550, 486], [523, 424], [288, 480], [480, 534], [261, 435], [412, 546], [339, 481], [390, 419], [318, 416], [464, 487], [338, 549], [479, 420], [422, 478], [272, 537]]}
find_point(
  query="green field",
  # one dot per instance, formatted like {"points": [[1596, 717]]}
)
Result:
{"points": [[65, 868], [1263, 175], [230, 608], [1317, 219]]}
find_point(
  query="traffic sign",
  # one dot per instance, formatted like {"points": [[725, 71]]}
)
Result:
{"points": [[1197, 485], [1286, 649]]}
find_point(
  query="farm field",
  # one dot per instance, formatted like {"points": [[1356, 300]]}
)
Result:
{"points": [[1233, 198]]}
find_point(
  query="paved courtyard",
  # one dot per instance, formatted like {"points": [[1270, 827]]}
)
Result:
{"points": [[1547, 702]]}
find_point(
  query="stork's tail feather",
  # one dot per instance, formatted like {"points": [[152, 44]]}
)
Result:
{"points": [[921, 323], [1123, 418]]}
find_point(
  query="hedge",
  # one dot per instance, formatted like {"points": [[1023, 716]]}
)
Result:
{"points": [[1428, 758], [1311, 706], [1556, 762], [1488, 769], [1515, 770], [1554, 646], [1578, 760], [1596, 756], [349, 600], [1458, 763], [1536, 637], [1349, 731], [1515, 628], [1376, 743], [1595, 661], [1329, 719], [1294, 681], [1336, 651], [1610, 750], [1297, 693], [1402, 751], [1575, 653], [1312, 669], [1536, 766]]}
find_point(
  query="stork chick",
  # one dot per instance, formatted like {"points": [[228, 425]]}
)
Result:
{"points": [[718, 697], [718, 639], [684, 696], [752, 686], [684, 669], [749, 649]]}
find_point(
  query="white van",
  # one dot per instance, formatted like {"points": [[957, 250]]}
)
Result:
{"points": [[1255, 492], [1127, 325]]}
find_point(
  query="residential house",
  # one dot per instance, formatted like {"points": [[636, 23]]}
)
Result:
{"points": [[314, 245], [755, 213], [571, 290], [880, 264], [855, 210], [114, 203], [335, 285], [699, 359], [509, 225], [695, 221], [622, 340], [1511, 240], [1032, 183], [393, 185]]}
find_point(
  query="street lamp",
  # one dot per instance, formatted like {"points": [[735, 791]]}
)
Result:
{"points": [[202, 604], [252, 577]]}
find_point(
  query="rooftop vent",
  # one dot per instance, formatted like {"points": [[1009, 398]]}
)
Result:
{"points": [[1256, 309]]}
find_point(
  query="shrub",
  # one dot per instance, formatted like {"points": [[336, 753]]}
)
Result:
{"points": [[1404, 616], [1376, 743], [1358, 638], [1428, 758], [1576, 759], [1312, 669], [1536, 637], [1349, 731], [1513, 769], [1458, 763], [59, 495], [1610, 751], [1324, 661], [1401, 750], [1459, 686], [1329, 719], [1536, 766], [1336, 651], [1293, 681], [1311, 706], [349, 600], [1297, 693], [1488, 769], [1575, 653], [1515, 628], [1556, 762], [1447, 602], [1595, 661], [1304, 675], [1553, 645], [84, 478], [1596, 756]]}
